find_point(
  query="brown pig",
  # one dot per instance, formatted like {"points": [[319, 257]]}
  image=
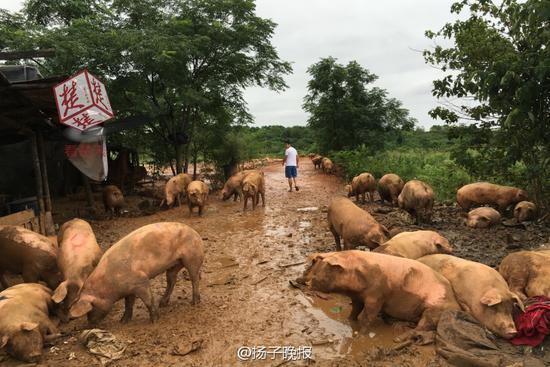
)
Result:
{"points": [[401, 288], [253, 186], [524, 211], [317, 161], [413, 245], [480, 290], [24, 322], [483, 217], [389, 188], [175, 189], [126, 268], [327, 165], [354, 225], [485, 193], [113, 200], [233, 186], [197, 194], [362, 184], [28, 253], [78, 255], [417, 198], [527, 273]]}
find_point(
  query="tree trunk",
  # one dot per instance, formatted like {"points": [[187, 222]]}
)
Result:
{"points": [[195, 154], [179, 162], [186, 159]]}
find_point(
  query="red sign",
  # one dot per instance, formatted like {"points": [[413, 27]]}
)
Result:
{"points": [[82, 101]]}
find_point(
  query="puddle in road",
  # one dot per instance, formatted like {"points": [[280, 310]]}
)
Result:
{"points": [[304, 224], [225, 262], [277, 232]]}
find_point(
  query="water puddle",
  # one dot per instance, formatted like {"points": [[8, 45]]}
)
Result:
{"points": [[308, 209], [225, 262], [304, 224], [277, 232]]}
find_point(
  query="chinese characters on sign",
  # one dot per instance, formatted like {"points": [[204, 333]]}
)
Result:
{"points": [[82, 101], [84, 150]]}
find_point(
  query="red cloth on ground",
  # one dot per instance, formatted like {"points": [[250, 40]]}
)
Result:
{"points": [[534, 324]]}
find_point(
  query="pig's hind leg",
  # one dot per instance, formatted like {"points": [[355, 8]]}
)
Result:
{"points": [[171, 278], [357, 306], [128, 308]]}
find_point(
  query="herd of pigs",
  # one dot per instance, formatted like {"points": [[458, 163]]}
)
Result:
{"points": [[410, 276]]}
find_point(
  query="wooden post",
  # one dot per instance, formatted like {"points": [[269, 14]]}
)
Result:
{"points": [[48, 220], [88, 191], [38, 182]]}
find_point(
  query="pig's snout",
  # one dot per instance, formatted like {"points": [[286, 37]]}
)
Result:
{"points": [[509, 333]]}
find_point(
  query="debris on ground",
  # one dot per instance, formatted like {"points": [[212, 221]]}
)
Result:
{"points": [[104, 345]]}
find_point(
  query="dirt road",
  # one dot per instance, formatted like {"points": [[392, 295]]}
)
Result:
{"points": [[245, 291]]}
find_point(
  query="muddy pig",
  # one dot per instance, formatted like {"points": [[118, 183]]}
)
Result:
{"points": [[480, 290], [413, 245], [362, 184], [197, 194], [417, 198], [175, 189], [78, 255], [28, 253], [524, 211], [126, 268], [24, 321], [327, 165], [317, 161], [401, 288], [233, 186], [113, 200], [485, 193], [354, 225], [483, 217], [253, 186], [389, 188], [527, 273]]}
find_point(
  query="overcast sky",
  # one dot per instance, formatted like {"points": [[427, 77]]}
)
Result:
{"points": [[383, 36]]}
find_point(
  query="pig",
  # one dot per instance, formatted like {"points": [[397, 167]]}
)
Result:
{"points": [[253, 186], [126, 268], [527, 273], [483, 217], [28, 253], [413, 245], [233, 185], [485, 193], [417, 198], [175, 189], [24, 321], [389, 188], [362, 184], [78, 255], [327, 165], [113, 200], [355, 226], [197, 194], [524, 211], [480, 290], [401, 288], [317, 161]]}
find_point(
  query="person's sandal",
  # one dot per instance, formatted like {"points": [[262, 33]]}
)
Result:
{"points": [[290, 190], [296, 187]]}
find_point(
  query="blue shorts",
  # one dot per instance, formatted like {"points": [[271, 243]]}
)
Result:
{"points": [[291, 171]]}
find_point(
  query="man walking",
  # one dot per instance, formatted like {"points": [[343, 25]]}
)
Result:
{"points": [[291, 165]]}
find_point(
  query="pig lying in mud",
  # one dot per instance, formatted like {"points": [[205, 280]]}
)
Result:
{"points": [[363, 184], [354, 225], [24, 321], [175, 189], [78, 255], [485, 193], [253, 186], [197, 194], [401, 288], [113, 200], [417, 198], [480, 290], [483, 217], [527, 273], [28, 253], [317, 161], [125, 269], [233, 186], [327, 165], [524, 211], [413, 245], [389, 188]]}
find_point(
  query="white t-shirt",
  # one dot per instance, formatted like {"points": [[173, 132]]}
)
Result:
{"points": [[290, 155]]}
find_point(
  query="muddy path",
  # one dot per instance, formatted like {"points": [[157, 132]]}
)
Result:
{"points": [[246, 299]]}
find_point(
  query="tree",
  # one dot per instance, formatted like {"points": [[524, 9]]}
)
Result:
{"points": [[500, 58], [344, 112]]}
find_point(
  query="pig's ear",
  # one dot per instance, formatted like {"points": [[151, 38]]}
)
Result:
{"points": [[386, 232], [315, 257], [60, 293], [491, 298], [28, 326], [518, 301], [80, 308], [4, 341]]}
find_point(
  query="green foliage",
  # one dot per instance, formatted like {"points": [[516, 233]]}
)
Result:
{"points": [[344, 112], [500, 58], [270, 140]]}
